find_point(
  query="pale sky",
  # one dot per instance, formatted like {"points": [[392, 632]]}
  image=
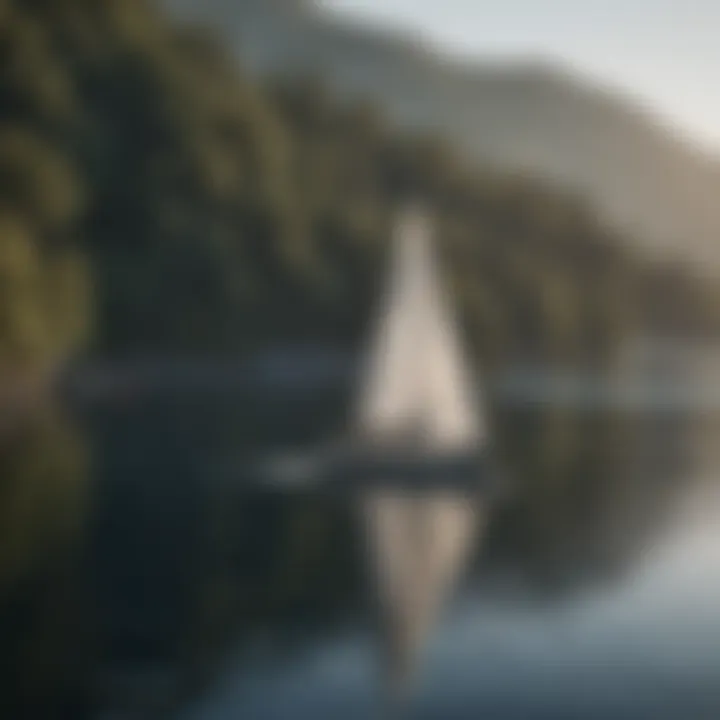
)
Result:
{"points": [[665, 52]]}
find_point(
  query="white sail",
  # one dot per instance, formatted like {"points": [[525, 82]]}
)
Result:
{"points": [[416, 370], [416, 377]]}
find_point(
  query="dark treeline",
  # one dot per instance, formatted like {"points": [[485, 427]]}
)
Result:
{"points": [[152, 200]]}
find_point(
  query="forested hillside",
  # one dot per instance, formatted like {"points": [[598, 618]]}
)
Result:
{"points": [[153, 200], [535, 114]]}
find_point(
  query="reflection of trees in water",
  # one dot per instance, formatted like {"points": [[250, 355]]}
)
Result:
{"points": [[572, 516], [586, 502], [187, 564], [46, 646]]}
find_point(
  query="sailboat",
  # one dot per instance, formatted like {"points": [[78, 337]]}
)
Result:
{"points": [[416, 446], [417, 396], [417, 422]]}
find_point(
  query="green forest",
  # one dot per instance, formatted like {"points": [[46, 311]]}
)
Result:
{"points": [[155, 200]]}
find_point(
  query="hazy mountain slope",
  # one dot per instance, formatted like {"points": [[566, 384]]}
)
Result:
{"points": [[536, 118]]}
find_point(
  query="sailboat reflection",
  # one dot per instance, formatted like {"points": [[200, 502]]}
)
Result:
{"points": [[416, 459], [418, 399]]}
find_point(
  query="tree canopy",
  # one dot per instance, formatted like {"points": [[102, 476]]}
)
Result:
{"points": [[154, 200]]}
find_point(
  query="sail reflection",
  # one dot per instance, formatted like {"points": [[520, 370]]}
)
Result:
{"points": [[416, 398]]}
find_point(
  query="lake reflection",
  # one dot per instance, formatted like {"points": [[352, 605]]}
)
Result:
{"points": [[140, 576], [648, 649]]}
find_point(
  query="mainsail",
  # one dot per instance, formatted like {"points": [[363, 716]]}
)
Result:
{"points": [[416, 371], [417, 387]]}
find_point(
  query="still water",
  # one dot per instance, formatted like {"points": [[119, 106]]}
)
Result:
{"points": [[648, 647], [142, 576]]}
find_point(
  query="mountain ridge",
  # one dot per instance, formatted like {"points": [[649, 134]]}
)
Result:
{"points": [[542, 118]]}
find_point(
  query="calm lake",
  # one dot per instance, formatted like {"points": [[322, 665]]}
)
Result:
{"points": [[144, 574]]}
